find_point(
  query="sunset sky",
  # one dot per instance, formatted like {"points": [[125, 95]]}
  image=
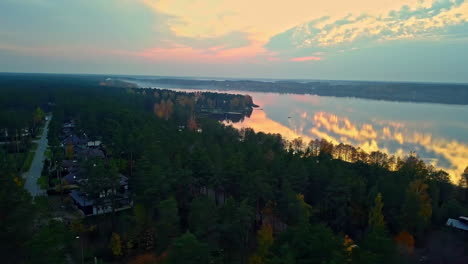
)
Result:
{"points": [[395, 40]]}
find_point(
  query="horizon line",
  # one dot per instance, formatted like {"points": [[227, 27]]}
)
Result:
{"points": [[213, 78]]}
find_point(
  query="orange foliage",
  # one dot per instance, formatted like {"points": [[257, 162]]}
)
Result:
{"points": [[18, 181], [348, 243], [192, 124], [405, 241], [69, 152], [161, 258], [267, 211], [164, 109], [147, 258]]}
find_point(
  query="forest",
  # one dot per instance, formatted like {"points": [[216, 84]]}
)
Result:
{"points": [[204, 192], [443, 93]]}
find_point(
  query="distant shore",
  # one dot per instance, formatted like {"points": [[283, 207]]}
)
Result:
{"points": [[403, 92]]}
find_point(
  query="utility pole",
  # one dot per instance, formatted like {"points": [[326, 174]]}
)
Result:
{"points": [[82, 251]]}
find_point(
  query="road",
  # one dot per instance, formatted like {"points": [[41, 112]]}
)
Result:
{"points": [[38, 162]]}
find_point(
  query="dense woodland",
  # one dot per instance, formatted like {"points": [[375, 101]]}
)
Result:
{"points": [[444, 93], [219, 195]]}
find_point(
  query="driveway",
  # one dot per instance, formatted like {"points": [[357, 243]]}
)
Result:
{"points": [[38, 162]]}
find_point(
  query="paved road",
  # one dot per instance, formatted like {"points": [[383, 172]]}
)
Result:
{"points": [[38, 162]]}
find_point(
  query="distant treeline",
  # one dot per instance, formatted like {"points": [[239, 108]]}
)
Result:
{"points": [[390, 91]]}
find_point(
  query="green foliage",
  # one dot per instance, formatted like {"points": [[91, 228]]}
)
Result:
{"points": [[28, 161], [417, 209], [308, 244], [377, 247], [16, 216], [203, 220], [186, 249], [54, 238], [167, 227]]}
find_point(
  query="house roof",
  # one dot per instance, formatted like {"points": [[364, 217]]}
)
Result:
{"points": [[73, 177], [69, 163], [95, 153], [80, 198], [457, 224], [75, 140]]}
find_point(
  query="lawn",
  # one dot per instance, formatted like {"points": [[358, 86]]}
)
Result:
{"points": [[43, 182], [28, 161], [29, 157]]}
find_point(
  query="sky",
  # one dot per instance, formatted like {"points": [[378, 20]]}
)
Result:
{"points": [[388, 40]]}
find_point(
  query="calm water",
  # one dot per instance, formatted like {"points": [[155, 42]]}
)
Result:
{"points": [[437, 132]]}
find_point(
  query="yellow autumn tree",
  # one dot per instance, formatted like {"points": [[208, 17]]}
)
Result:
{"points": [[116, 245], [417, 209], [164, 109], [264, 242], [376, 218]]}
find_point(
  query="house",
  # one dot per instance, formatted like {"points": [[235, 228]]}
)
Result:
{"points": [[74, 140], [94, 144], [69, 164], [4, 135], [94, 153], [121, 198], [25, 132], [70, 124], [73, 178], [461, 223]]}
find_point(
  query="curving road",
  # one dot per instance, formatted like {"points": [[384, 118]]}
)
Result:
{"points": [[38, 162]]}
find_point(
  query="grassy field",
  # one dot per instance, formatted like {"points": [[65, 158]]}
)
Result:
{"points": [[39, 133], [29, 157], [48, 154], [43, 182]]}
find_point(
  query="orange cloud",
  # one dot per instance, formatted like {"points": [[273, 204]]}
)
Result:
{"points": [[218, 54], [211, 18], [309, 58]]}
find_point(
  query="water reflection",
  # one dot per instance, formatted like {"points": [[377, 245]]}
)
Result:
{"points": [[438, 133]]}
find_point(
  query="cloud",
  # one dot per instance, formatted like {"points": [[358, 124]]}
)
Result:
{"points": [[263, 18], [308, 58], [426, 19], [255, 52], [199, 23]]}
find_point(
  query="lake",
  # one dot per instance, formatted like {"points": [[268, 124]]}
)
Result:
{"points": [[438, 133]]}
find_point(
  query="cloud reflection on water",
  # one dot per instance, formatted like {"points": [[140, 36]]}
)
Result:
{"points": [[394, 137]]}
